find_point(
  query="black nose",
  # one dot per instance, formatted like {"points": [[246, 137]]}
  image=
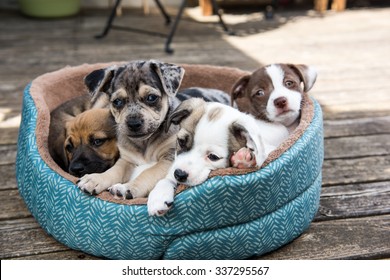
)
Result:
{"points": [[180, 175], [134, 124], [77, 169]]}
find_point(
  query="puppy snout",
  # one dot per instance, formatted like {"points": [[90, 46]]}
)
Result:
{"points": [[134, 124], [180, 175], [77, 169], [280, 102]]}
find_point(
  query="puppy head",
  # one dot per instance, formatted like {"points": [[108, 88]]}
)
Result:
{"points": [[209, 134], [274, 92], [90, 145], [139, 94]]}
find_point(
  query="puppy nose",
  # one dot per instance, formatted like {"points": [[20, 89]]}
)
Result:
{"points": [[134, 124], [77, 169], [280, 102], [180, 175]]}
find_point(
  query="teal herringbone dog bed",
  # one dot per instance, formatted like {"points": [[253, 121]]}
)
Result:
{"points": [[230, 216]]}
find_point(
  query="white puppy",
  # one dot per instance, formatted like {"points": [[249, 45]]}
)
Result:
{"points": [[209, 136]]}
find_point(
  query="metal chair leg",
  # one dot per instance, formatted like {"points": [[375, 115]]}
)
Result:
{"points": [[163, 12], [221, 22], [168, 49], [110, 20]]}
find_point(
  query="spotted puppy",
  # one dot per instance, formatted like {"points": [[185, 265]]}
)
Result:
{"points": [[209, 135], [141, 94], [274, 93]]}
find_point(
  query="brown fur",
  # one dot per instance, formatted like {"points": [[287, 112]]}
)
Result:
{"points": [[244, 91], [90, 145]]}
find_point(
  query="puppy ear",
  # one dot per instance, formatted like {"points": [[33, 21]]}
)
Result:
{"points": [[170, 76], [182, 112], [307, 74], [251, 140], [99, 81], [239, 87]]}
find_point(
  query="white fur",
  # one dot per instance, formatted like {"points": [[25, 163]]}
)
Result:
{"points": [[294, 98], [212, 137]]}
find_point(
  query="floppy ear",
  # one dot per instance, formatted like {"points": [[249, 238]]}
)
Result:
{"points": [[251, 140], [99, 81], [184, 110], [170, 76], [239, 87], [181, 112], [307, 74]]}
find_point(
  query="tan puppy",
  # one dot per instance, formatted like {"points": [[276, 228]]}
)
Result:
{"points": [[58, 119], [90, 145]]}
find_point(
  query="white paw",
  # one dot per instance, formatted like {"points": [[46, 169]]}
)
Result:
{"points": [[93, 183], [121, 191], [160, 199]]}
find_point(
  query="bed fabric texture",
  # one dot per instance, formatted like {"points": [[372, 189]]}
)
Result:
{"points": [[235, 214]]}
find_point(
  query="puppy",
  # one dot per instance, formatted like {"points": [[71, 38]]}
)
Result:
{"points": [[141, 95], [90, 145], [58, 119], [209, 135], [274, 93]]}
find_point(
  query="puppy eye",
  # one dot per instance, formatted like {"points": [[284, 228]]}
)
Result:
{"points": [[260, 92], [69, 147], [151, 98], [98, 142], [213, 157], [289, 84], [181, 142], [118, 103]]}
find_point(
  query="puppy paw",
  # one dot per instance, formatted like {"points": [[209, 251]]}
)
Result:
{"points": [[160, 199], [121, 191], [243, 158], [93, 184]]}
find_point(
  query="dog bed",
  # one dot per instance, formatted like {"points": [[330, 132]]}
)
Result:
{"points": [[235, 214]]}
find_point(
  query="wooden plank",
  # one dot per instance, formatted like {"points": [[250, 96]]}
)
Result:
{"points": [[8, 152], [339, 202], [7, 173], [9, 135], [64, 255], [357, 127], [12, 205], [357, 146], [360, 238], [357, 170], [22, 241]]}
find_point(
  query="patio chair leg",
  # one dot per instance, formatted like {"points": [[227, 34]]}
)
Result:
{"points": [[168, 49], [163, 12], [110, 20], [221, 22]]}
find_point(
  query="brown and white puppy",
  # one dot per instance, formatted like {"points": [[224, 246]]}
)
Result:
{"points": [[90, 145], [141, 95], [273, 93], [209, 135], [60, 116]]}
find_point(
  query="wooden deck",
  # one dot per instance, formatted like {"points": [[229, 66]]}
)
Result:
{"points": [[351, 51]]}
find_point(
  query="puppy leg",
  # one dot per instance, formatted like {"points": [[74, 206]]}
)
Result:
{"points": [[144, 183], [98, 182], [160, 199], [243, 158]]}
